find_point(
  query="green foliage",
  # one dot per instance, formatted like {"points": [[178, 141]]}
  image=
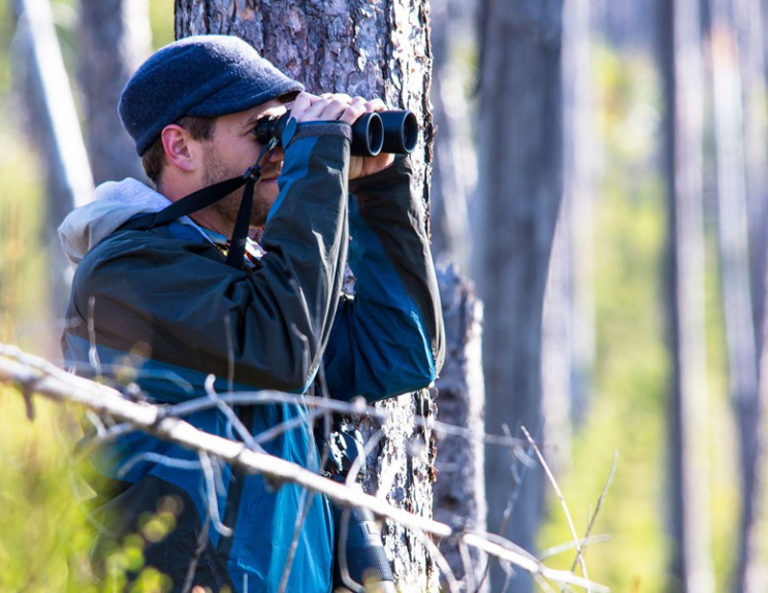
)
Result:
{"points": [[631, 402], [46, 536], [23, 299], [161, 22], [627, 410]]}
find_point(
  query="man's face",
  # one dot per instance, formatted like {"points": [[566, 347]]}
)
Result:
{"points": [[232, 149]]}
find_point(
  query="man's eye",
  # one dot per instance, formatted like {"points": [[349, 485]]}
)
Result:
{"points": [[266, 128]]}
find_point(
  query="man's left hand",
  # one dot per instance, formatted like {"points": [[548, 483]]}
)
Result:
{"points": [[360, 166]]}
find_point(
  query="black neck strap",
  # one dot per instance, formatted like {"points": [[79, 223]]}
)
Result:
{"points": [[206, 196], [198, 200]]}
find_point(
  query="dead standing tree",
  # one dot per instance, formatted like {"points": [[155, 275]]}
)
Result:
{"points": [[369, 48], [738, 81], [114, 39], [682, 71], [53, 125], [520, 189]]}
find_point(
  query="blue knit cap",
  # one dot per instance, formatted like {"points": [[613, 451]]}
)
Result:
{"points": [[204, 75]]}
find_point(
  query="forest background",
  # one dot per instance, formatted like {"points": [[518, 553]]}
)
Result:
{"points": [[621, 401]]}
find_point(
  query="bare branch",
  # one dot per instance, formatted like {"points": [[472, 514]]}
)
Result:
{"points": [[550, 475], [36, 375], [529, 563]]}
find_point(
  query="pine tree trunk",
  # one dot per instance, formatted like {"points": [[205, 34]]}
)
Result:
{"points": [[681, 65], [115, 38], [366, 48], [520, 189]]}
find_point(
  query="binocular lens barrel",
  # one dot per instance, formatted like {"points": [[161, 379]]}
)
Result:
{"points": [[367, 135], [388, 131], [401, 131]]}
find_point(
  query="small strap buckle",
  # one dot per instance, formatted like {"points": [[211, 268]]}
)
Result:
{"points": [[254, 171]]}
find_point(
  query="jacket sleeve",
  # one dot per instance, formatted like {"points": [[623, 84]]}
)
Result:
{"points": [[188, 309], [389, 338]]}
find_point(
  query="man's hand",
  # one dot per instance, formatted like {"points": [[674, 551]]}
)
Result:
{"points": [[341, 107]]}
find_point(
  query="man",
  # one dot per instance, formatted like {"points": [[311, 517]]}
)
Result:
{"points": [[159, 298]]}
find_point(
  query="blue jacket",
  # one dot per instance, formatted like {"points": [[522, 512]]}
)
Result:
{"points": [[160, 307]]}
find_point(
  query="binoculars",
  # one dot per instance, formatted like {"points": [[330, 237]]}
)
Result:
{"points": [[372, 133], [359, 548]]}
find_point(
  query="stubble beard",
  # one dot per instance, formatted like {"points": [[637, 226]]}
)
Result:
{"points": [[228, 207]]}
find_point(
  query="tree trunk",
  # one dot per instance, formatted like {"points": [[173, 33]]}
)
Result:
{"points": [[748, 22], [568, 322], [520, 188], [115, 38], [366, 48], [455, 168], [581, 147], [460, 487], [626, 26], [747, 39], [681, 64], [733, 228], [56, 133]]}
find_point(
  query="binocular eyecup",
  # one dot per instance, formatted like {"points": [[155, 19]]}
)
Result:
{"points": [[387, 131]]}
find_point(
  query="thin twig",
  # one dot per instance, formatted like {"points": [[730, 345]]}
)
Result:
{"points": [[560, 496], [442, 563], [354, 408], [243, 432], [306, 502], [529, 563], [210, 489], [517, 481], [569, 546], [600, 500]]}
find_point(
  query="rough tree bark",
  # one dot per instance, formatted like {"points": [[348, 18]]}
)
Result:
{"points": [[114, 39], [369, 48], [460, 487], [520, 189], [682, 72]]}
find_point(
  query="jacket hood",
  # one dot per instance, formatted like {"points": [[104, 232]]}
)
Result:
{"points": [[114, 203]]}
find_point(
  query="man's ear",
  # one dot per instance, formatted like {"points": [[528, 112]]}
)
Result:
{"points": [[179, 148]]}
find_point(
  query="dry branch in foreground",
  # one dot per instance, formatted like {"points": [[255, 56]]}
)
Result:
{"points": [[35, 375]]}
